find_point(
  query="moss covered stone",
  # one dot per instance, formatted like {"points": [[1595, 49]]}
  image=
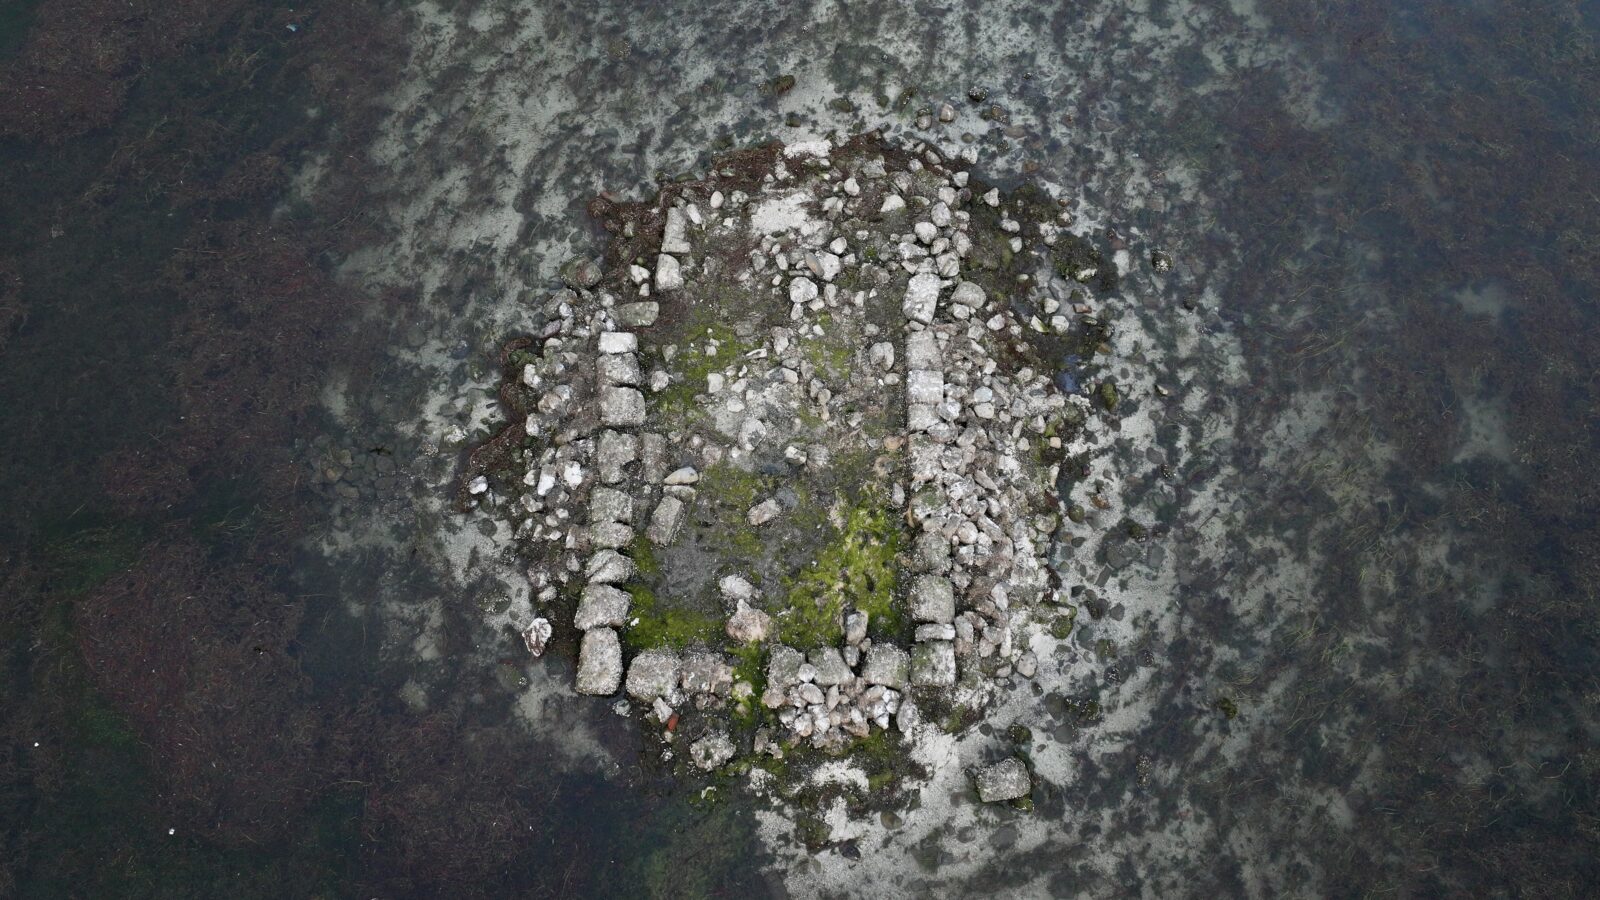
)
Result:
{"points": [[853, 571]]}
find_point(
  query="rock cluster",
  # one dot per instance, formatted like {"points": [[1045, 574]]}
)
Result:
{"points": [[881, 344]]}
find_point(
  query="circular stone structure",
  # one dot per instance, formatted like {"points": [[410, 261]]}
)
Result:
{"points": [[786, 466]]}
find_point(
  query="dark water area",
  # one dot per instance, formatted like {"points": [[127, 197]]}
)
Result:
{"points": [[188, 707]]}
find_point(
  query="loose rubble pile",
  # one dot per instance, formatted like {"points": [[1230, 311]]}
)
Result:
{"points": [[788, 462]]}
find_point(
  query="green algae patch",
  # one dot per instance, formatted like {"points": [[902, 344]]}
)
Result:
{"points": [[713, 348], [856, 570], [728, 492], [658, 625], [643, 553], [830, 354], [1108, 395], [750, 667], [1061, 626]]}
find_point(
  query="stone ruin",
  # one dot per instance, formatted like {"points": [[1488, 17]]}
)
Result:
{"points": [[790, 455]]}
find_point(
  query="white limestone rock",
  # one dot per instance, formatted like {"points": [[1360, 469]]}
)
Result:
{"points": [[675, 235], [669, 275], [922, 297], [537, 635]]}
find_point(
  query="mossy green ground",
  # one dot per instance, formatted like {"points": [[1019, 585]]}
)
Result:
{"points": [[711, 348], [853, 571]]}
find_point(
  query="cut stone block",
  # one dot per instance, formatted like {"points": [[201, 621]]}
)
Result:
{"points": [[599, 663]]}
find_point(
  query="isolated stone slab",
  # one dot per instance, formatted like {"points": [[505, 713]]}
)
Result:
{"points": [[1005, 780], [675, 235]]}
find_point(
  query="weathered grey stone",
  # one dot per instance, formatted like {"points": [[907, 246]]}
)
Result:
{"points": [[652, 457], [783, 666], [652, 674], [933, 664], [610, 535], [922, 350], [924, 386], [830, 666], [922, 297], [935, 632], [748, 625], [618, 369], [736, 588], [581, 272], [933, 599], [932, 552], [615, 450], [669, 275], [705, 672], [641, 314], [881, 355], [664, 522], [764, 512], [599, 663], [1005, 780], [675, 234], [921, 416], [610, 505], [926, 460], [601, 605], [621, 407], [711, 751], [608, 567], [886, 665], [613, 342], [855, 628], [802, 290], [968, 294]]}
